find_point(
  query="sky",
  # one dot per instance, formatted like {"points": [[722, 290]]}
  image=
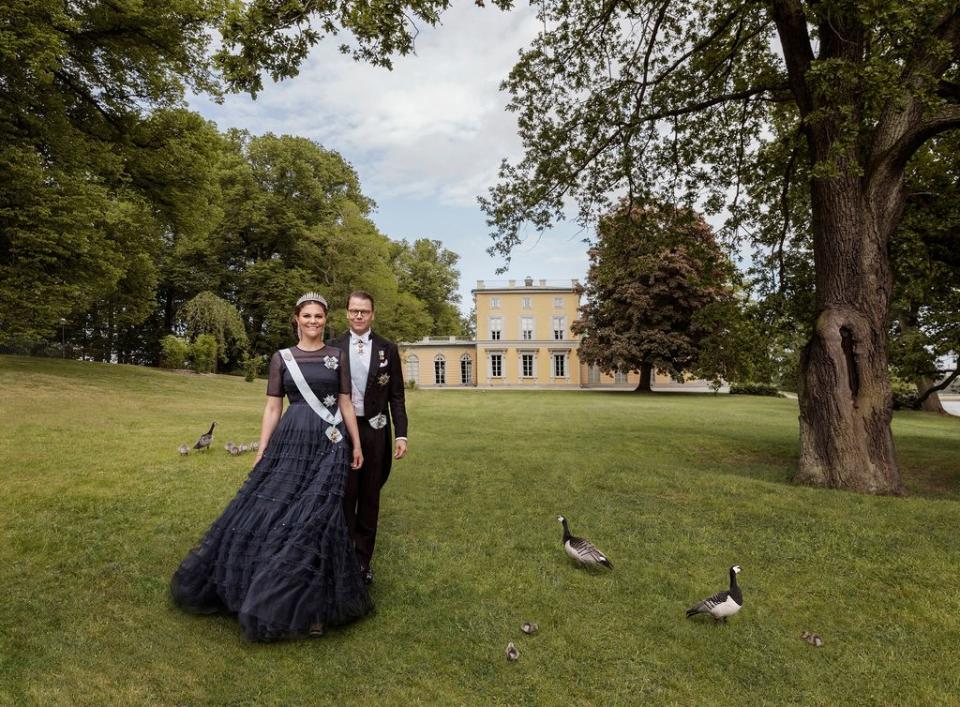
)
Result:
{"points": [[426, 138]]}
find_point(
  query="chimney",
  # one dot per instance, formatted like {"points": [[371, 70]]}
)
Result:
{"points": [[528, 281], [511, 283], [479, 284], [543, 283]]}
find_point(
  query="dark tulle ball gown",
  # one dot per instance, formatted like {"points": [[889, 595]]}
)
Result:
{"points": [[280, 557]]}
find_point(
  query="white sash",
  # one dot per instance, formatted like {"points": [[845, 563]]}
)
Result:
{"points": [[311, 398]]}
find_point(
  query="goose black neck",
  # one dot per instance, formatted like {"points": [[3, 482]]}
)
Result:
{"points": [[735, 588], [566, 531], [212, 425]]}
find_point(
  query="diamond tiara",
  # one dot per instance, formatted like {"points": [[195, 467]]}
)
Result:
{"points": [[312, 297]]}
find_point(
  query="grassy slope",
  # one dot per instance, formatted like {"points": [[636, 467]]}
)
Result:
{"points": [[97, 509]]}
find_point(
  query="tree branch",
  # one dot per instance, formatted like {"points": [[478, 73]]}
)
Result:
{"points": [[948, 118], [709, 102], [797, 51], [937, 388]]}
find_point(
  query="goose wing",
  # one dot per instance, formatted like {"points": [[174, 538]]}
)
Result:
{"points": [[707, 605], [586, 552]]}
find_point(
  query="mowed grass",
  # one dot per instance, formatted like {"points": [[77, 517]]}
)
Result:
{"points": [[97, 509]]}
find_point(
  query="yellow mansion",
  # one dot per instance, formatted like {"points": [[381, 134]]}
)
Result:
{"points": [[523, 340]]}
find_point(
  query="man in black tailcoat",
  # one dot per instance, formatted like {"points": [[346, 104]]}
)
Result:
{"points": [[377, 393]]}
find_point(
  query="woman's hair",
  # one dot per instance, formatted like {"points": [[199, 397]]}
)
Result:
{"points": [[299, 306]]}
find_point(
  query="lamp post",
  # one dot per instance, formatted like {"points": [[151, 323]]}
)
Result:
{"points": [[63, 337]]}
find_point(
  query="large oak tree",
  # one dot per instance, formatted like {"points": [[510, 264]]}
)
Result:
{"points": [[679, 98]]}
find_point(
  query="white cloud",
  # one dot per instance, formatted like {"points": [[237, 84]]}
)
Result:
{"points": [[434, 127]]}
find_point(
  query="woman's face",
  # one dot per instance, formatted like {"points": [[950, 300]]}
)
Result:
{"points": [[311, 321]]}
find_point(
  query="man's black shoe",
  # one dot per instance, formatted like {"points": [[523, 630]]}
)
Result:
{"points": [[367, 575]]}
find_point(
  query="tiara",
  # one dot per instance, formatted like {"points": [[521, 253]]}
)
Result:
{"points": [[312, 297]]}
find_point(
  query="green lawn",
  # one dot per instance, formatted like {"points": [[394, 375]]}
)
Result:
{"points": [[97, 509]]}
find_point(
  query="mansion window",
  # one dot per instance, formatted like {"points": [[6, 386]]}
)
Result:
{"points": [[466, 370], [527, 368], [593, 377], [526, 328], [527, 304], [494, 303], [558, 302], [413, 368], [495, 325], [496, 365], [559, 325], [440, 369], [620, 378], [559, 365]]}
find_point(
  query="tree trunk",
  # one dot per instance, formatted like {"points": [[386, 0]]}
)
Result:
{"points": [[845, 397], [646, 377], [932, 402]]}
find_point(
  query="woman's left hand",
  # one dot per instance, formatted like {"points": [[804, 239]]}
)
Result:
{"points": [[357, 458]]}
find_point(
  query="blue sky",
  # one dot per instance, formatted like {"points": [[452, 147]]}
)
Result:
{"points": [[426, 138]]}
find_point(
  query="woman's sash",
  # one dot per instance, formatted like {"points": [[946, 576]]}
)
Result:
{"points": [[311, 398]]}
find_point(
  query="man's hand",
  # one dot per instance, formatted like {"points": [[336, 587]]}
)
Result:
{"points": [[401, 449], [357, 460]]}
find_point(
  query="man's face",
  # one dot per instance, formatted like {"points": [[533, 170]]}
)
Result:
{"points": [[360, 315]]}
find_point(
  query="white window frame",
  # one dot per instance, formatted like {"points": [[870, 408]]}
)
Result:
{"points": [[490, 357], [533, 364], [527, 303], [466, 369], [559, 327], [496, 328], [620, 378], [558, 302], [594, 375], [565, 357], [494, 303], [439, 369], [413, 368], [530, 331]]}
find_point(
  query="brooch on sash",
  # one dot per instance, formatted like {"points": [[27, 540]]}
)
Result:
{"points": [[383, 379], [331, 362], [329, 401], [334, 434], [378, 422]]}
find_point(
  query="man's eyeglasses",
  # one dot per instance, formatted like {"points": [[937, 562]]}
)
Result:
{"points": [[359, 313]]}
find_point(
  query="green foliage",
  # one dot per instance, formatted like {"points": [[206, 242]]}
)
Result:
{"points": [[252, 366], [904, 393], [208, 314], [203, 353], [652, 273], [77, 237], [764, 389], [264, 37], [173, 351], [428, 271]]}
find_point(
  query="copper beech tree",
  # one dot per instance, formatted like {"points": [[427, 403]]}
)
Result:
{"points": [[653, 271]]}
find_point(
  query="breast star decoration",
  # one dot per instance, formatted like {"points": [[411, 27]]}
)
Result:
{"points": [[331, 362], [383, 379], [329, 401]]}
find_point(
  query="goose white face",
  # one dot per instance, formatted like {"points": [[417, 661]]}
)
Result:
{"points": [[560, 519], [736, 569]]}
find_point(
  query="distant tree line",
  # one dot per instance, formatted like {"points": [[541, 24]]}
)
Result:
{"points": [[118, 206]]}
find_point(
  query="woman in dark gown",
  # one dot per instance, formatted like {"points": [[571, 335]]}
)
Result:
{"points": [[280, 557]]}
